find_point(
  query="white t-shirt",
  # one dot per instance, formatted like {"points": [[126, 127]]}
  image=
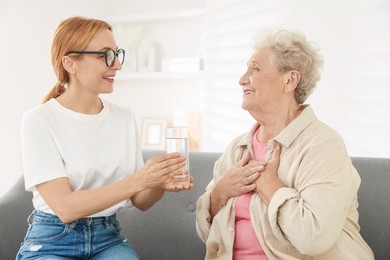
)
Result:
{"points": [[90, 150]]}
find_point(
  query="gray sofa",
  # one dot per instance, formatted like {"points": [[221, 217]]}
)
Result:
{"points": [[167, 230]]}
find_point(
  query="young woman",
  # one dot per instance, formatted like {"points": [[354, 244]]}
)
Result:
{"points": [[81, 154]]}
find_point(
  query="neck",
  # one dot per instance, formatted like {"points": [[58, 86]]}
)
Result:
{"points": [[81, 103], [273, 124]]}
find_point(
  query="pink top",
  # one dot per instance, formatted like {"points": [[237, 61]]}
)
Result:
{"points": [[246, 244]]}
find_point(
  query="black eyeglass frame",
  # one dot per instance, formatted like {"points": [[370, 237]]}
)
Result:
{"points": [[105, 55]]}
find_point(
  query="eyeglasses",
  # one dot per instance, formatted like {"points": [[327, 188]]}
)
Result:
{"points": [[109, 55]]}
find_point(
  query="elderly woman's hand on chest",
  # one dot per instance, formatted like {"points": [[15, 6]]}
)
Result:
{"points": [[268, 182]]}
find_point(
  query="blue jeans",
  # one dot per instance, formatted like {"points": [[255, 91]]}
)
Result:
{"points": [[89, 238]]}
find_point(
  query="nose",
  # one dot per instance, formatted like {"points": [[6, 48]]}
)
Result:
{"points": [[117, 65], [244, 80]]}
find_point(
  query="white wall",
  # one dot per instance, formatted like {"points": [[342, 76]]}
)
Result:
{"points": [[26, 72], [352, 96]]}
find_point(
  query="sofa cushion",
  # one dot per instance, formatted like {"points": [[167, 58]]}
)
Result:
{"points": [[167, 230], [374, 203]]}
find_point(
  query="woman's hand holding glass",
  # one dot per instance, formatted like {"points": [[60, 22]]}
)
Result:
{"points": [[158, 171], [175, 187]]}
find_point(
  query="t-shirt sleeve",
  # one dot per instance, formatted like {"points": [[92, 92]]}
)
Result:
{"points": [[41, 158]]}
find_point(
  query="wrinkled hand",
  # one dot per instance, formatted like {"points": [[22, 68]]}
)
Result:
{"points": [[240, 179], [160, 169], [268, 182]]}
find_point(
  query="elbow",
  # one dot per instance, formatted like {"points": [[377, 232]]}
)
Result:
{"points": [[310, 251], [65, 214], [315, 237], [65, 218], [313, 242], [143, 209], [143, 206], [146, 199], [313, 247]]}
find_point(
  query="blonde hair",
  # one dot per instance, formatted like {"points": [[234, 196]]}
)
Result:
{"points": [[292, 51], [72, 34]]}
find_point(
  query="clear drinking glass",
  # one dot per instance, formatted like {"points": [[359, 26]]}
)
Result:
{"points": [[177, 141]]}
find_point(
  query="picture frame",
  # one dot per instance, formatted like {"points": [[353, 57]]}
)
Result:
{"points": [[153, 133]]}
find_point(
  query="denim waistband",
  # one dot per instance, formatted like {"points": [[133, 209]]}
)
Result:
{"points": [[40, 216]]}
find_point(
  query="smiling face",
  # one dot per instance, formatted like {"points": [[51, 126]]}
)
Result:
{"points": [[262, 84], [89, 73]]}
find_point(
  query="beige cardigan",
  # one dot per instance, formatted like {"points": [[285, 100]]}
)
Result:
{"points": [[314, 217]]}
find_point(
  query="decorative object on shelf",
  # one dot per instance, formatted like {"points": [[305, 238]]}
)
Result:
{"points": [[143, 57], [128, 36], [146, 58], [193, 120], [153, 133], [189, 64], [131, 59]]}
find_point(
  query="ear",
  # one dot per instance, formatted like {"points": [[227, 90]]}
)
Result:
{"points": [[291, 80], [69, 64]]}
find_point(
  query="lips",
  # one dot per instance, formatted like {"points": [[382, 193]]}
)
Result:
{"points": [[247, 91], [109, 77]]}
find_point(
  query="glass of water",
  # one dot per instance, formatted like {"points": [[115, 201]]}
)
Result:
{"points": [[177, 141]]}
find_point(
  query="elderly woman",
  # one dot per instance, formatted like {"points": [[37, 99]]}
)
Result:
{"points": [[287, 188]]}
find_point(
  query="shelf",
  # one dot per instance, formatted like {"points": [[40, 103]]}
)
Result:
{"points": [[158, 75], [168, 42], [150, 17]]}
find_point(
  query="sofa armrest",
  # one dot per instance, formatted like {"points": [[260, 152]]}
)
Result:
{"points": [[15, 207]]}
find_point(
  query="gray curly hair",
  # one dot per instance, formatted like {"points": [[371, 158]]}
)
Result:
{"points": [[292, 51]]}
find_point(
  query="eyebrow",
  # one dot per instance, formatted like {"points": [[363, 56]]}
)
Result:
{"points": [[109, 48], [252, 62]]}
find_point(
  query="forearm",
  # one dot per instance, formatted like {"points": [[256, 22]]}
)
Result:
{"points": [[147, 198], [268, 182], [217, 202], [266, 190], [70, 205], [87, 202]]}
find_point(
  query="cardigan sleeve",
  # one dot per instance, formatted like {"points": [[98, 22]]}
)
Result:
{"points": [[203, 217], [311, 212]]}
